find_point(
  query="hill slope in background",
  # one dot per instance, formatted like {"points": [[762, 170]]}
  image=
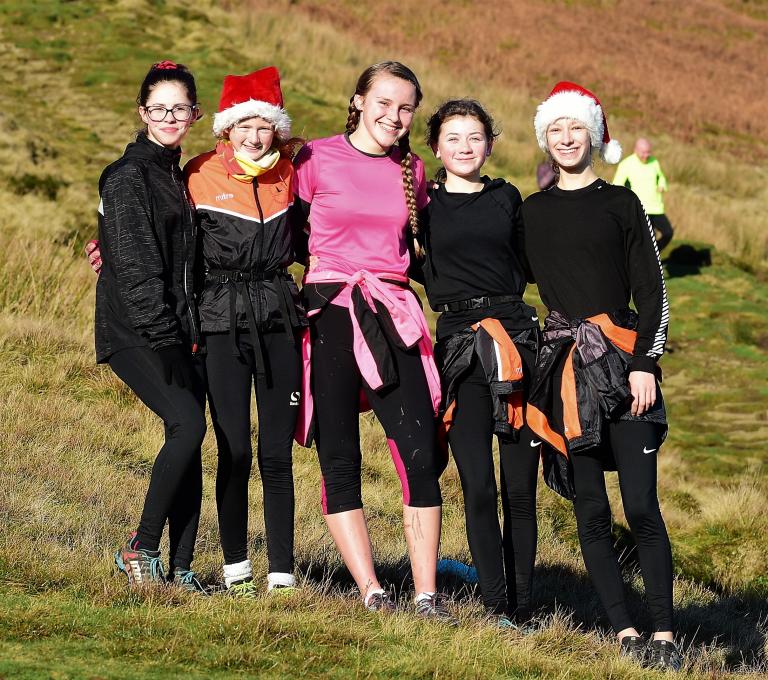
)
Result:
{"points": [[687, 69], [77, 446]]}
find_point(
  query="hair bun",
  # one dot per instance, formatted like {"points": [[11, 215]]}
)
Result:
{"points": [[167, 64]]}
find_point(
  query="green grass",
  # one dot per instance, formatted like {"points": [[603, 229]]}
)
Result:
{"points": [[77, 447]]}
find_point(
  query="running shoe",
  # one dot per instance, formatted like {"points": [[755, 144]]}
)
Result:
{"points": [[186, 579], [435, 607], [139, 565], [380, 602], [664, 655], [245, 589], [634, 647], [282, 591], [503, 622]]}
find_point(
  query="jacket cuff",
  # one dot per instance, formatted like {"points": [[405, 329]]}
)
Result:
{"points": [[164, 342], [643, 363]]}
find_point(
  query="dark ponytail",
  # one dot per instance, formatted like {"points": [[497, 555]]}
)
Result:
{"points": [[167, 72]]}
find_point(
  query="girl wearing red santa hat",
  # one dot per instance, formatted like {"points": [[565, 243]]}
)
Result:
{"points": [[595, 397], [250, 315]]}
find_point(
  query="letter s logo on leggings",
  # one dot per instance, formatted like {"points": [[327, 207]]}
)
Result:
{"points": [[295, 398]]}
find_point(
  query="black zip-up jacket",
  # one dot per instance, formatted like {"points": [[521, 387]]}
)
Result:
{"points": [[147, 238], [583, 364]]}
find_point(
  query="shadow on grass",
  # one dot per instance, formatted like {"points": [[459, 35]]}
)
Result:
{"points": [[687, 260], [736, 624]]}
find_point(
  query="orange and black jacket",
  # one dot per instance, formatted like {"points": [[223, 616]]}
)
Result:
{"points": [[247, 246], [497, 353], [579, 384]]}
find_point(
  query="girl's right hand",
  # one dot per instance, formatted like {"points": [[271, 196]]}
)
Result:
{"points": [[93, 253], [314, 260], [642, 385]]}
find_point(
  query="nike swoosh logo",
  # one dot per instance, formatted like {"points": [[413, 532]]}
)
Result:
{"points": [[534, 444], [648, 450]]}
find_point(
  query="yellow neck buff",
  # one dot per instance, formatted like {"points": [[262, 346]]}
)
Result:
{"points": [[258, 167], [240, 166]]}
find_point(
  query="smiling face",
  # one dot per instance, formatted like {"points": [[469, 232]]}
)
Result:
{"points": [[463, 146], [569, 144], [252, 137], [169, 131], [386, 114]]}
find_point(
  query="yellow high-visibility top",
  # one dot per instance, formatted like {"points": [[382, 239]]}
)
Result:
{"points": [[645, 179]]}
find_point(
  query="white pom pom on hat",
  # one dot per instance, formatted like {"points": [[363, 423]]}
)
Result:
{"points": [[249, 96], [569, 100]]}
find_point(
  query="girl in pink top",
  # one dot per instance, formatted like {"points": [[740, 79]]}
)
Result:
{"points": [[368, 341]]}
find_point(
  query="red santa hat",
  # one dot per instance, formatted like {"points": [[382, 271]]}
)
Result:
{"points": [[569, 100], [255, 94]]}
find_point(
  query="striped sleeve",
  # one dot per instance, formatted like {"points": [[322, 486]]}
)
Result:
{"points": [[649, 292]]}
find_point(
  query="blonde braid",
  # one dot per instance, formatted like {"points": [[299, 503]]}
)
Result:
{"points": [[406, 167], [354, 116]]}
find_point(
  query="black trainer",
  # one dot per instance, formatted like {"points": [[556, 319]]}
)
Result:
{"points": [[634, 647], [664, 655]]}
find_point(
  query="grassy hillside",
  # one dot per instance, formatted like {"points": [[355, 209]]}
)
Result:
{"points": [[77, 447]]}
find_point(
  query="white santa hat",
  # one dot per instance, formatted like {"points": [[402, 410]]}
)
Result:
{"points": [[251, 95], [569, 100]]}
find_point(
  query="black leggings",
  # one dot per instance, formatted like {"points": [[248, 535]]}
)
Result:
{"points": [[230, 380], [405, 411], [661, 224], [494, 553], [634, 446], [176, 485]]}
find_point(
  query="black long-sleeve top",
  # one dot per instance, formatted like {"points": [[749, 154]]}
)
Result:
{"points": [[147, 238], [474, 246], [591, 250]]}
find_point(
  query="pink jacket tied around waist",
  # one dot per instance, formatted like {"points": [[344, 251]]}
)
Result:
{"points": [[408, 323]]}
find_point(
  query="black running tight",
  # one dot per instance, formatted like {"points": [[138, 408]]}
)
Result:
{"points": [[496, 553], [405, 411], [176, 485], [230, 381], [635, 447], [661, 224]]}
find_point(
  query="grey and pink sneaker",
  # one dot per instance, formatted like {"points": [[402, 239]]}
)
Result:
{"points": [[139, 565]]}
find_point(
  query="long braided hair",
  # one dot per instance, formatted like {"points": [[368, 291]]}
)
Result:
{"points": [[364, 83]]}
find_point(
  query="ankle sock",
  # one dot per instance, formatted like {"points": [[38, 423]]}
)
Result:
{"points": [[371, 593], [280, 579], [423, 596], [240, 571]]}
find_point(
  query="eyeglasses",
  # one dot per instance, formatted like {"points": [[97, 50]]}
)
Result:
{"points": [[180, 112]]}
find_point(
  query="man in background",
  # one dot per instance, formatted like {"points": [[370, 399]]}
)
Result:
{"points": [[642, 173]]}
